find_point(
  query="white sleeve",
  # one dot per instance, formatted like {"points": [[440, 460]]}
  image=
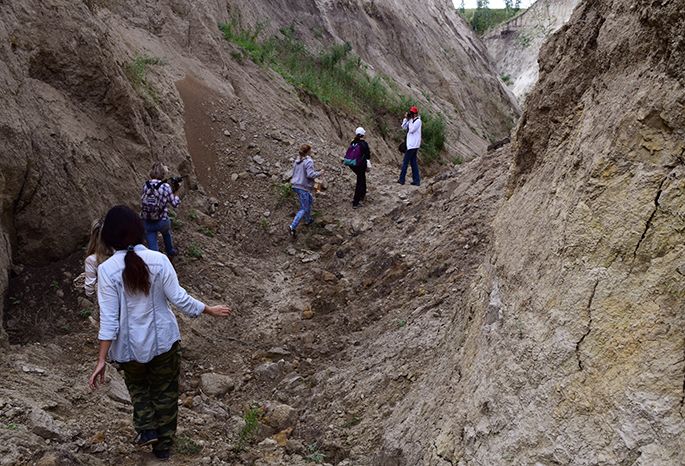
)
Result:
{"points": [[415, 127], [178, 296], [405, 124], [91, 276], [108, 299]]}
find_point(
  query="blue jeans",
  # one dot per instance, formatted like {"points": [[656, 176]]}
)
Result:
{"points": [[410, 157], [306, 201], [160, 226]]}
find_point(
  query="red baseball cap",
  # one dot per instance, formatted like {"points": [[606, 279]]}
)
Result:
{"points": [[413, 109]]}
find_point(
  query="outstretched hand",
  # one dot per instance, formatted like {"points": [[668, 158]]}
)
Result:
{"points": [[218, 311], [98, 376]]}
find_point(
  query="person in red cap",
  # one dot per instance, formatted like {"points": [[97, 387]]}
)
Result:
{"points": [[412, 125]]}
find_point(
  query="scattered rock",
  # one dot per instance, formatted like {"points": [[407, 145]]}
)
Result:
{"points": [[278, 351], [280, 416], [312, 258], [270, 370], [51, 459], [227, 133], [44, 425], [99, 437], [328, 276], [234, 177], [268, 444], [117, 387], [282, 437], [216, 384], [307, 314], [29, 369]]}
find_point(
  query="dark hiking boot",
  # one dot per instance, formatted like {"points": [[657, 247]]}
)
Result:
{"points": [[146, 437], [293, 233], [162, 455]]}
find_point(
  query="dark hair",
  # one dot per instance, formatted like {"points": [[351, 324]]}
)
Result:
{"points": [[121, 231]]}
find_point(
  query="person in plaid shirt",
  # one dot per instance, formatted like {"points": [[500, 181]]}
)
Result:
{"points": [[156, 198]]}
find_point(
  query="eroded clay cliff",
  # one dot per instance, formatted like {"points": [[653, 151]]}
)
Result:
{"points": [[569, 349], [515, 45], [80, 128]]}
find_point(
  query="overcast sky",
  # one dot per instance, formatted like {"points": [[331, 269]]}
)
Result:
{"points": [[493, 3]]}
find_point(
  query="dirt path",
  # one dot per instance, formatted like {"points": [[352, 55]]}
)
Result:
{"points": [[332, 329]]}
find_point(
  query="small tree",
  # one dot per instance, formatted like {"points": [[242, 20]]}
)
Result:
{"points": [[517, 5], [481, 18], [462, 8], [509, 5]]}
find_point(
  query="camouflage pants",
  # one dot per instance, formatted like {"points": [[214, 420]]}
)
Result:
{"points": [[153, 387]]}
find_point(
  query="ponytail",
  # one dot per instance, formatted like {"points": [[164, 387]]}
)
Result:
{"points": [[136, 275], [122, 230]]}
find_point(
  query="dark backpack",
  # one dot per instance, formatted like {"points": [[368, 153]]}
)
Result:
{"points": [[151, 206], [353, 156]]}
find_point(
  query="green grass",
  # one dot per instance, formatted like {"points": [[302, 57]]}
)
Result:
{"points": [[252, 417], [193, 215], [85, 313], [401, 323], [485, 19], [186, 446], [208, 232], [195, 251], [338, 78], [137, 71], [457, 160], [506, 78], [314, 455], [264, 225], [284, 192]]}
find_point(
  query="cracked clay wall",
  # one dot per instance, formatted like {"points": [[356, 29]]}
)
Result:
{"points": [[571, 350]]}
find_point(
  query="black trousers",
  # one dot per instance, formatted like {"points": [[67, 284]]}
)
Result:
{"points": [[360, 188]]}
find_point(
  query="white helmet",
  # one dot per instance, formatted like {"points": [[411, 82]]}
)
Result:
{"points": [[360, 131]]}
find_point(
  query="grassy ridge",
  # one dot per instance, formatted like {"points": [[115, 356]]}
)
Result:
{"points": [[338, 78], [485, 19]]}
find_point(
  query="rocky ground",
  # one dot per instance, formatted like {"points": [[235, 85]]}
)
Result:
{"points": [[304, 310]]}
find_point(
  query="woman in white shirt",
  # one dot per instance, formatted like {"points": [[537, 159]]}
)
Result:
{"points": [[138, 329], [96, 253]]}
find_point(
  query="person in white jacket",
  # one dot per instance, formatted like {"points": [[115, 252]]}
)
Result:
{"points": [[412, 125], [96, 253]]}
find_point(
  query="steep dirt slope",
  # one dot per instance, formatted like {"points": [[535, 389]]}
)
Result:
{"points": [[515, 45], [81, 125], [426, 47], [570, 347]]}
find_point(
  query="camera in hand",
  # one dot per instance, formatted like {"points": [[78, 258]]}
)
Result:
{"points": [[174, 182]]}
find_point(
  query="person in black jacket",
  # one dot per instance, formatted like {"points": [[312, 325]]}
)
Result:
{"points": [[361, 168]]}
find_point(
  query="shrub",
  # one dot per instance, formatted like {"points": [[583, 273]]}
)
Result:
{"points": [[137, 74], [252, 417], [314, 455], [337, 78], [195, 251], [284, 191], [186, 446], [207, 232], [433, 137]]}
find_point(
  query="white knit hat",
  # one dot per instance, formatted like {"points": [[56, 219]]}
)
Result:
{"points": [[360, 131]]}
